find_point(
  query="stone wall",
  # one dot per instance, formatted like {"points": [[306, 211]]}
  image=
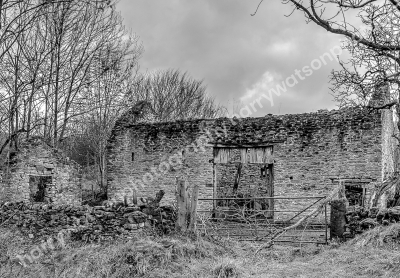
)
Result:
{"points": [[34, 161], [160, 153], [310, 152], [83, 222]]}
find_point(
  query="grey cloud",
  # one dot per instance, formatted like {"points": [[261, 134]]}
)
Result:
{"points": [[220, 42]]}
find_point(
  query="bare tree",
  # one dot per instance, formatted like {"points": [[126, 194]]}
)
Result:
{"points": [[175, 96], [17, 16], [116, 65], [49, 65]]}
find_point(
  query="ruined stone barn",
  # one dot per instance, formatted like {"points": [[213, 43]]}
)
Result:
{"points": [[37, 172], [284, 155]]}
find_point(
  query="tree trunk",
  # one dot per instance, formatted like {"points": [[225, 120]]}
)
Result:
{"points": [[382, 189], [1, 11]]}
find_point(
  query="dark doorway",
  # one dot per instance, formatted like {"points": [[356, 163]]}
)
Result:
{"points": [[268, 172], [38, 188], [354, 194]]}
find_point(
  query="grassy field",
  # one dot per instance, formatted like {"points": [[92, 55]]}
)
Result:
{"points": [[374, 254]]}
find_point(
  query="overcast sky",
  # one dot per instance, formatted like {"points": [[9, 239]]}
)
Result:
{"points": [[239, 57]]}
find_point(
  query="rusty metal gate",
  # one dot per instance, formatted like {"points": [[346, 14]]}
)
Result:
{"points": [[250, 219]]}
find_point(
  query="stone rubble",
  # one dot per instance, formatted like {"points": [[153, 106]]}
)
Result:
{"points": [[89, 224], [359, 219]]}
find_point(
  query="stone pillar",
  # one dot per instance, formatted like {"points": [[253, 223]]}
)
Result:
{"points": [[338, 218]]}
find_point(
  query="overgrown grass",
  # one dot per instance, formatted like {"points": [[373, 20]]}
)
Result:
{"points": [[180, 256], [381, 236]]}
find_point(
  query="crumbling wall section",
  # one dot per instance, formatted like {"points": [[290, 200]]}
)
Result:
{"points": [[35, 159]]}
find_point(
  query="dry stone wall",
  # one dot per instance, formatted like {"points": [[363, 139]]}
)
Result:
{"points": [[310, 151], [83, 222]]}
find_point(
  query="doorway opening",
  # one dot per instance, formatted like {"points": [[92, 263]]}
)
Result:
{"points": [[39, 186], [245, 176], [355, 194]]}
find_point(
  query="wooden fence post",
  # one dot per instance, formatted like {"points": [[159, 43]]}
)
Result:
{"points": [[134, 196], [187, 204], [181, 222], [214, 185], [193, 209]]}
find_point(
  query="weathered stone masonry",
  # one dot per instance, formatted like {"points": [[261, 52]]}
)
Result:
{"points": [[40, 173], [84, 222], [311, 152]]}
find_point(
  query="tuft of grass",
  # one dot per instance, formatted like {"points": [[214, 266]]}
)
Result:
{"points": [[226, 268]]}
